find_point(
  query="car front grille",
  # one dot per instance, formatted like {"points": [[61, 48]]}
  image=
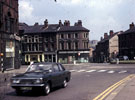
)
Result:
{"points": [[27, 81]]}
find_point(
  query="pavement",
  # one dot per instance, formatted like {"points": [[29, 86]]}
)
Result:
{"points": [[126, 91]]}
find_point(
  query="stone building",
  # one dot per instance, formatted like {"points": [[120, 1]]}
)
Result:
{"points": [[54, 42], [107, 48], [73, 43], [127, 42], [9, 40]]}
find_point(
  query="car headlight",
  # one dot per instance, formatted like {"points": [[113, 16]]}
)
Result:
{"points": [[15, 81], [37, 81]]}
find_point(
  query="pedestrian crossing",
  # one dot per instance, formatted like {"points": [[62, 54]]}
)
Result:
{"points": [[99, 71]]}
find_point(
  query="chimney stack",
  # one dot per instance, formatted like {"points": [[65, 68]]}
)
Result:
{"points": [[105, 35], [131, 25], [36, 24], [111, 32], [60, 23], [46, 23], [79, 23], [101, 38], [67, 23]]}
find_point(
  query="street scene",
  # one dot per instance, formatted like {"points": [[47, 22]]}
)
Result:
{"points": [[87, 82], [67, 50]]}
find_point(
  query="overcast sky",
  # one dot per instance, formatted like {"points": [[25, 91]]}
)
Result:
{"points": [[99, 16]]}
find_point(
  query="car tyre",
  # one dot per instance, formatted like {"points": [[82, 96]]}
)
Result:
{"points": [[64, 85], [47, 89], [18, 92]]}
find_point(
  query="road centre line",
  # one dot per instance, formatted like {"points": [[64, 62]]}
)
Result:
{"points": [[111, 88]]}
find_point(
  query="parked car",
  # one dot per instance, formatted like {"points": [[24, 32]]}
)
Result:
{"points": [[123, 58], [41, 76]]}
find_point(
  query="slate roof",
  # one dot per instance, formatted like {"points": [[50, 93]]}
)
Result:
{"points": [[72, 28], [50, 28], [132, 30], [108, 38]]}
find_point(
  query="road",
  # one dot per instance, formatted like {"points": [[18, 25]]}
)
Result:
{"points": [[87, 82]]}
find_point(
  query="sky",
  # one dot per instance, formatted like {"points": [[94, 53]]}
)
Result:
{"points": [[99, 16]]}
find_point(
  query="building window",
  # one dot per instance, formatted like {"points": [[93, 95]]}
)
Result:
{"points": [[62, 36], [40, 47], [76, 45], [69, 36], [61, 46], [25, 38], [36, 47], [40, 39], [52, 47], [46, 47], [46, 39], [85, 35], [85, 45], [75, 35], [36, 39], [51, 39], [68, 45]]}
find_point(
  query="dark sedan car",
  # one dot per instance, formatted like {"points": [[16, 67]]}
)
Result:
{"points": [[41, 76]]}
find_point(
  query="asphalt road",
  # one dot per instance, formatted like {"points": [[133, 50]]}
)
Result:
{"points": [[88, 81]]}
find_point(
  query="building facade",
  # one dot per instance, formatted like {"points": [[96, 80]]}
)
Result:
{"points": [[127, 42], [9, 40], [56, 42], [107, 48], [73, 43]]}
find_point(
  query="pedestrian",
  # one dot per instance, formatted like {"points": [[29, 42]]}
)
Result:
{"points": [[32, 62]]}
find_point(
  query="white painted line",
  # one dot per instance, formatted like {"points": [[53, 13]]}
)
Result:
{"points": [[91, 71], [102, 71], [81, 71], [111, 71], [124, 71], [72, 70]]}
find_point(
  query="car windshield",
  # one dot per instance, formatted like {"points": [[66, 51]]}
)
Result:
{"points": [[39, 67]]}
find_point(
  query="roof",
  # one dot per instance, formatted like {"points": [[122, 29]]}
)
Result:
{"points": [[108, 38], [72, 28], [50, 28], [132, 30], [41, 28]]}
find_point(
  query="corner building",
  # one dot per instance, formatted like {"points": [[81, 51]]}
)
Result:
{"points": [[55, 42], [9, 40]]}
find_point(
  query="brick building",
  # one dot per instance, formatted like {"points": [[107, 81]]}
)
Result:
{"points": [[9, 41], [107, 48], [54, 42], [127, 42]]}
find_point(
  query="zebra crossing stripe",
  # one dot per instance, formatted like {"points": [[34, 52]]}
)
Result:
{"points": [[91, 71], [111, 71], [101, 71], [124, 71], [72, 70], [81, 71]]}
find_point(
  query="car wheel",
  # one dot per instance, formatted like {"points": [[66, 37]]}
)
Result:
{"points": [[64, 83], [18, 92], [47, 89]]}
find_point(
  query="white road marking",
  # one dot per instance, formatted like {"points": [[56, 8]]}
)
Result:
{"points": [[81, 71], [91, 71], [72, 70], [124, 71], [111, 71], [102, 71]]}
